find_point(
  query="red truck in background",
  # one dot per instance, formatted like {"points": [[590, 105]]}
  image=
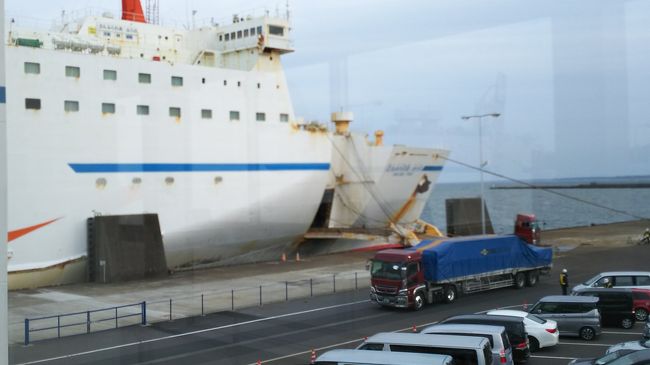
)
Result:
{"points": [[442, 268], [527, 227]]}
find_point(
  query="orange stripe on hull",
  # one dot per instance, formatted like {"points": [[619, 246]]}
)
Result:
{"points": [[12, 235]]}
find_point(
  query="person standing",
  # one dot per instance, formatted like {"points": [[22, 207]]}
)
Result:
{"points": [[564, 281]]}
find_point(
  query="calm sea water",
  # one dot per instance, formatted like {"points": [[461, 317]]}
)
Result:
{"points": [[551, 210]]}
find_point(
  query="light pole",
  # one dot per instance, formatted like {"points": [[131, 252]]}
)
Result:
{"points": [[480, 154]]}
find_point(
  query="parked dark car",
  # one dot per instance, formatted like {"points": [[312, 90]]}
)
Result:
{"points": [[616, 306], [514, 328], [633, 358]]}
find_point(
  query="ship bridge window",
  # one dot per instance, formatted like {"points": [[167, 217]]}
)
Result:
{"points": [[144, 78], [220, 37], [245, 32], [177, 81], [239, 34], [71, 106], [32, 68], [252, 31], [234, 115], [142, 109], [259, 30], [175, 112], [206, 113], [33, 104], [260, 117], [108, 108], [284, 117], [110, 75], [227, 37], [72, 71], [232, 36], [275, 30]]}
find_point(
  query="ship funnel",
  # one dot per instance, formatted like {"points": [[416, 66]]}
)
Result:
{"points": [[342, 121], [132, 11], [379, 138]]}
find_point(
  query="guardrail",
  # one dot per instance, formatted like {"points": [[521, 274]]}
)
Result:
{"points": [[169, 309], [87, 322]]}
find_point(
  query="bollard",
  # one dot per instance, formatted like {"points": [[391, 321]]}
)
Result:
{"points": [[143, 307], [115, 317], [26, 331], [286, 291], [88, 322], [356, 284], [260, 295], [58, 326], [232, 299], [202, 306], [334, 282], [170, 309], [311, 288]]}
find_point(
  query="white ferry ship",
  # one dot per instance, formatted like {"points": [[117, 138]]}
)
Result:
{"points": [[111, 116]]}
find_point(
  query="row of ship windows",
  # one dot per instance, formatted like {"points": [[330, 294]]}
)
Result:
{"points": [[169, 180], [239, 34], [109, 108], [111, 75]]}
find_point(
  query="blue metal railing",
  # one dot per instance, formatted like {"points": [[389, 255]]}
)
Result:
{"points": [[116, 316]]}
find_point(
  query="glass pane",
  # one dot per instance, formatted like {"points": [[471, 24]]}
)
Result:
{"points": [[143, 109], [260, 117], [144, 78], [72, 71], [32, 68], [71, 106], [284, 117], [177, 81], [34, 104], [234, 115], [110, 75], [175, 112], [206, 114], [275, 30], [108, 108]]}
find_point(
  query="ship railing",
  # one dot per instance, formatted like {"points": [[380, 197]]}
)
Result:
{"points": [[86, 321], [163, 309]]}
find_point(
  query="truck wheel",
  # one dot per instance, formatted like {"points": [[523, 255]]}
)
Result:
{"points": [[587, 333], [418, 301], [532, 277], [450, 293], [520, 280]]}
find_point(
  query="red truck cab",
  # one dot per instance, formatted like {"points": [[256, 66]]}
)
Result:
{"points": [[527, 228], [395, 275]]}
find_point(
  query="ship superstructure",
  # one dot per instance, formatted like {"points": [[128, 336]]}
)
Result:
{"points": [[115, 117]]}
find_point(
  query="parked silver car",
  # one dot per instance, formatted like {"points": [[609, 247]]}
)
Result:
{"points": [[630, 345], [501, 348], [575, 315]]}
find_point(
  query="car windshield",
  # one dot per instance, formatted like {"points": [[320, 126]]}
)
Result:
{"points": [[534, 318], [609, 357], [592, 280], [386, 270]]}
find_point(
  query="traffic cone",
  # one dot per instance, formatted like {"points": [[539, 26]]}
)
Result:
{"points": [[525, 306], [313, 357], [297, 256], [415, 328], [259, 362], [284, 257]]}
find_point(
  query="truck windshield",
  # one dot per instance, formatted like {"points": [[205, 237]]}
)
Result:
{"points": [[386, 270]]}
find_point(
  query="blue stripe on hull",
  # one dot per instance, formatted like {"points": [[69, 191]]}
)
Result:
{"points": [[82, 168]]}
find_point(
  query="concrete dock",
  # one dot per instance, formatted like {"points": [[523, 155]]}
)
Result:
{"points": [[192, 293]]}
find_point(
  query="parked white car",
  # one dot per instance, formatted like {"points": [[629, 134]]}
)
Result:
{"points": [[541, 332]]}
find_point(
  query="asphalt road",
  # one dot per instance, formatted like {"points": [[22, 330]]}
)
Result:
{"points": [[285, 333]]}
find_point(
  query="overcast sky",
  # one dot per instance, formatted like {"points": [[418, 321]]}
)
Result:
{"points": [[570, 78]]}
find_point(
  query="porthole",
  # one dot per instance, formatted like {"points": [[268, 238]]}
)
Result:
{"points": [[169, 180], [100, 183], [136, 181], [218, 180]]}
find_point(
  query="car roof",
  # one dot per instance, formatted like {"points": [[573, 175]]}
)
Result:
{"points": [[600, 290], [614, 273], [383, 357], [569, 299], [468, 328], [507, 312], [486, 317], [397, 338]]}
